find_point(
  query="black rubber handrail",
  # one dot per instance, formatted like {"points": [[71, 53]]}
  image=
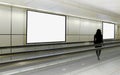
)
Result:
{"points": [[31, 45], [56, 48], [44, 44]]}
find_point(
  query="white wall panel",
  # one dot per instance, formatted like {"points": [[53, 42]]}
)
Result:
{"points": [[18, 40], [118, 32], [89, 26], [5, 22], [79, 29], [73, 25], [4, 40], [18, 21], [116, 29], [72, 38], [86, 38]]}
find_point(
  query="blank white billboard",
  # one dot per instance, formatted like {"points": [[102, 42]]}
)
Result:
{"points": [[108, 31], [43, 27]]}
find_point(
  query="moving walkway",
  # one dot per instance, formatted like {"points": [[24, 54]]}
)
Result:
{"points": [[53, 54]]}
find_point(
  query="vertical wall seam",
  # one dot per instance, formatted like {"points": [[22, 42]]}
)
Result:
{"points": [[11, 31]]}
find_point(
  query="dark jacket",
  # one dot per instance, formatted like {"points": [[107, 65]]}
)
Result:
{"points": [[98, 39]]}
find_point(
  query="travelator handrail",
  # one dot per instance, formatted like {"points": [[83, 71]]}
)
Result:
{"points": [[81, 46], [59, 43], [43, 44], [64, 53]]}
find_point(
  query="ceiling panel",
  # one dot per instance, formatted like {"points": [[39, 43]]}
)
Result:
{"points": [[75, 7], [108, 5], [20, 2]]}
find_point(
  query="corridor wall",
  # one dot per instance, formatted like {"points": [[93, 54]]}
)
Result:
{"points": [[13, 27], [79, 29]]}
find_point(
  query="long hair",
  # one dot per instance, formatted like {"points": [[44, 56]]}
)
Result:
{"points": [[98, 37], [98, 32]]}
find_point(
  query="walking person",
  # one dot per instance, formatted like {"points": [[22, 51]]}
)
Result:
{"points": [[98, 40]]}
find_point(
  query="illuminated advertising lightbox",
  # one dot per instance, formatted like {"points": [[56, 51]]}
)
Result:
{"points": [[108, 31], [43, 27]]}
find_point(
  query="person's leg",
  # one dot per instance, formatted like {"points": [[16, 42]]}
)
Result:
{"points": [[97, 53]]}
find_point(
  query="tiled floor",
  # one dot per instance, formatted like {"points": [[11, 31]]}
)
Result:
{"points": [[89, 65]]}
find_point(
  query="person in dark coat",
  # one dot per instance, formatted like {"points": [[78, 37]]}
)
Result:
{"points": [[98, 40]]}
